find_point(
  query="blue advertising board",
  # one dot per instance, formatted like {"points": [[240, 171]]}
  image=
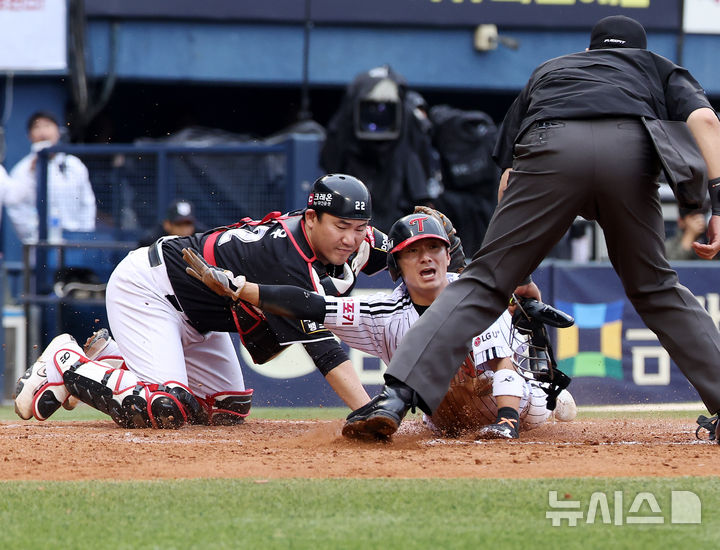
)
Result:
{"points": [[609, 352]]}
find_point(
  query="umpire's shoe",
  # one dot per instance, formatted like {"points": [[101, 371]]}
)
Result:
{"points": [[381, 417]]}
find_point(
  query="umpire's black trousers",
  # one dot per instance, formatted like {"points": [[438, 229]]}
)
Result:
{"points": [[604, 170]]}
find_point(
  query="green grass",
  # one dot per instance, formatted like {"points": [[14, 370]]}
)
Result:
{"points": [[690, 414], [332, 413], [84, 412], [346, 514]]}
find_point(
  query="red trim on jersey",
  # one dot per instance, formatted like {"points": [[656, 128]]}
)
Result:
{"points": [[294, 242], [309, 261], [208, 250]]}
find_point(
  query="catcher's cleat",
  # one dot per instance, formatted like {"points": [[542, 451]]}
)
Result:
{"points": [[506, 428], [565, 407], [34, 396], [711, 425], [98, 344], [382, 416]]}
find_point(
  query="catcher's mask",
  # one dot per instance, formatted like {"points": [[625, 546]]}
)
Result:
{"points": [[532, 352], [409, 229]]}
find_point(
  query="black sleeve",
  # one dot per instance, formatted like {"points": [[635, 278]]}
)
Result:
{"points": [[683, 94], [292, 301], [326, 354]]}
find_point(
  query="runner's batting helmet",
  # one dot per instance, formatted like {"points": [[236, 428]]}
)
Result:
{"points": [[409, 229], [342, 196]]}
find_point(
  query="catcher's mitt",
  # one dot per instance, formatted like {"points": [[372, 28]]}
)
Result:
{"points": [[457, 254], [221, 281], [468, 404]]}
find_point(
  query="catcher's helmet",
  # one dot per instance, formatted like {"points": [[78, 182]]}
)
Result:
{"points": [[409, 229], [342, 196]]}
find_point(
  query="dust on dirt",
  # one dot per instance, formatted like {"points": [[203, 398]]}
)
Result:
{"points": [[265, 449]]}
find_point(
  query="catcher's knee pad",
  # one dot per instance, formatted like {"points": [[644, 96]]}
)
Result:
{"points": [[194, 410], [39, 391], [118, 393], [228, 408], [48, 399]]}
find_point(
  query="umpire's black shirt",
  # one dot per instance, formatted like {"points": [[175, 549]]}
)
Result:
{"points": [[600, 83]]}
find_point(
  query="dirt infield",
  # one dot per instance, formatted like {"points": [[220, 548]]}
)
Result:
{"points": [[264, 449]]}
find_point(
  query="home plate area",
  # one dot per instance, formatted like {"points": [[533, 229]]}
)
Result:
{"points": [[266, 449]]}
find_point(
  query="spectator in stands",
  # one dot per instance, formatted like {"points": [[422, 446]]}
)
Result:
{"points": [[179, 220], [10, 191], [691, 227], [70, 194]]}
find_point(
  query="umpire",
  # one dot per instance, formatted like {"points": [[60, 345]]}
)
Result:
{"points": [[575, 142]]}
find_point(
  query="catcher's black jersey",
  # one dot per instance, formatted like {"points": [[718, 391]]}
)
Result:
{"points": [[274, 250]]}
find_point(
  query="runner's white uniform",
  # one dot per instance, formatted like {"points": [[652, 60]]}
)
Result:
{"points": [[377, 323]]}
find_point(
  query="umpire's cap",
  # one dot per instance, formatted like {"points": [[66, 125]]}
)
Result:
{"points": [[342, 196], [410, 229], [617, 31]]}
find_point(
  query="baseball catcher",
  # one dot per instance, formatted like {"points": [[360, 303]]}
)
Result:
{"points": [[171, 330]]}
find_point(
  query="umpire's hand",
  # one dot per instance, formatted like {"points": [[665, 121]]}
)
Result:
{"points": [[529, 290], [710, 250]]}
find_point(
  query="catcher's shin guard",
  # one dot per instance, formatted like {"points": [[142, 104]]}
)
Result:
{"points": [[130, 402], [228, 408]]}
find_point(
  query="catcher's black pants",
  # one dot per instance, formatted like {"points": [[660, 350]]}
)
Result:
{"points": [[603, 169]]}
